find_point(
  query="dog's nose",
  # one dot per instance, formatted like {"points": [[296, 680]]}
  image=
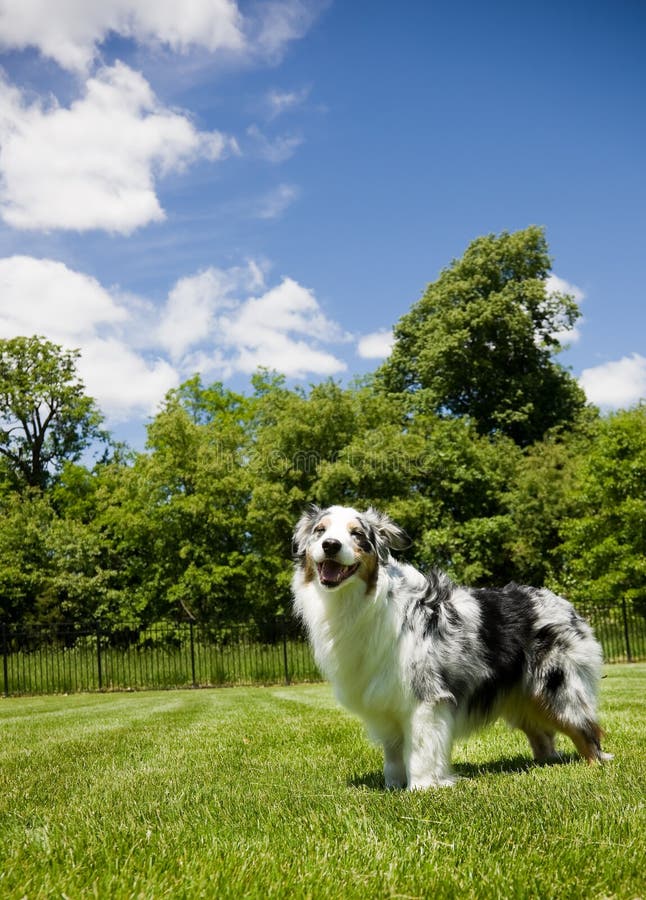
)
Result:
{"points": [[331, 546]]}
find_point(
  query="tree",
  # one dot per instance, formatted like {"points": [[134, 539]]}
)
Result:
{"points": [[178, 514], [479, 343], [443, 482], [292, 435], [55, 569], [542, 494], [25, 566], [45, 416], [604, 539]]}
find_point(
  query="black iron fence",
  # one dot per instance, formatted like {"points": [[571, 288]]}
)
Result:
{"points": [[620, 628], [69, 658], [41, 659]]}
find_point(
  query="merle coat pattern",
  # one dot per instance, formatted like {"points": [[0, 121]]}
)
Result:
{"points": [[423, 661]]}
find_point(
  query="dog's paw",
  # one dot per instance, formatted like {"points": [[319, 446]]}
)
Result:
{"points": [[395, 776], [395, 782], [442, 781]]}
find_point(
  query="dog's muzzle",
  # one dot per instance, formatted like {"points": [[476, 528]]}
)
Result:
{"points": [[332, 573]]}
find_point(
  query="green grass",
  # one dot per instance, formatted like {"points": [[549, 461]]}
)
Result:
{"points": [[274, 792]]}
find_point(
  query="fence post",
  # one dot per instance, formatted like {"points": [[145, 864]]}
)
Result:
{"points": [[5, 659], [626, 632], [98, 658], [190, 625], [285, 661]]}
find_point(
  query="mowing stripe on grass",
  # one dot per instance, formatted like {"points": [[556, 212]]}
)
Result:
{"points": [[275, 792]]}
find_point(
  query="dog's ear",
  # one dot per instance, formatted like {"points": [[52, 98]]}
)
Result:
{"points": [[304, 528], [388, 535]]}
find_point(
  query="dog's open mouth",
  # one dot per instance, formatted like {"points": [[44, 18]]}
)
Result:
{"points": [[332, 573]]}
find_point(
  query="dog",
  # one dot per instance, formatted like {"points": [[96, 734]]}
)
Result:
{"points": [[423, 661]]}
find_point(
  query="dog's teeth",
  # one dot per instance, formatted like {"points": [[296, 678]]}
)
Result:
{"points": [[332, 571]]}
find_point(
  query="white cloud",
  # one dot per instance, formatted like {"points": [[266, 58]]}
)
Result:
{"points": [[556, 285], [122, 380], [377, 345], [279, 102], [220, 322], [278, 22], [45, 297], [193, 303], [94, 164], [275, 202], [617, 384], [206, 323], [268, 331], [72, 33], [274, 150]]}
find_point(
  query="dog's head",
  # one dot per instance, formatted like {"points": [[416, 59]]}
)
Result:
{"points": [[338, 544]]}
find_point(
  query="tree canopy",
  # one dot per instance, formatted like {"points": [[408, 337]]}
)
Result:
{"points": [[603, 549], [45, 416], [454, 437], [480, 341]]}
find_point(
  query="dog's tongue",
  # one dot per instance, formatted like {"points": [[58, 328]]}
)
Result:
{"points": [[332, 571]]}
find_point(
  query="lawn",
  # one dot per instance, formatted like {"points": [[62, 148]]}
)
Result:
{"points": [[274, 792]]}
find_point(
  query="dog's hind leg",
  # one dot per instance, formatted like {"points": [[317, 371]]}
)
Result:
{"points": [[542, 743], [573, 716], [587, 740], [427, 749]]}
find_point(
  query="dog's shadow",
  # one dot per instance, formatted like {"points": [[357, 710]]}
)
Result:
{"points": [[374, 781]]}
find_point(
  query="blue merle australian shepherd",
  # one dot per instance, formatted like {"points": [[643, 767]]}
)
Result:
{"points": [[423, 661]]}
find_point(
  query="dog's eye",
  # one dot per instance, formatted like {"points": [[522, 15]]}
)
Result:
{"points": [[318, 530], [357, 532]]}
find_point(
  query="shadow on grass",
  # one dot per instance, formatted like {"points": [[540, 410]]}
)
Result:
{"points": [[374, 781], [371, 781], [510, 765]]}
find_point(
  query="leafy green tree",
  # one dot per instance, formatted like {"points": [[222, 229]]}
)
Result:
{"points": [[292, 435], [80, 584], [53, 568], [443, 482], [480, 341], [25, 565], [464, 480], [604, 539], [542, 494], [45, 416], [180, 510]]}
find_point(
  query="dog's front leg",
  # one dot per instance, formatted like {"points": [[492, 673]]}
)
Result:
{"points": [[391, 737], [427, 749], [394, 766]]}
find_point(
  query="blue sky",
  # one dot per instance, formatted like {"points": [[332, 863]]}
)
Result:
{"points": [[212, 186]]}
